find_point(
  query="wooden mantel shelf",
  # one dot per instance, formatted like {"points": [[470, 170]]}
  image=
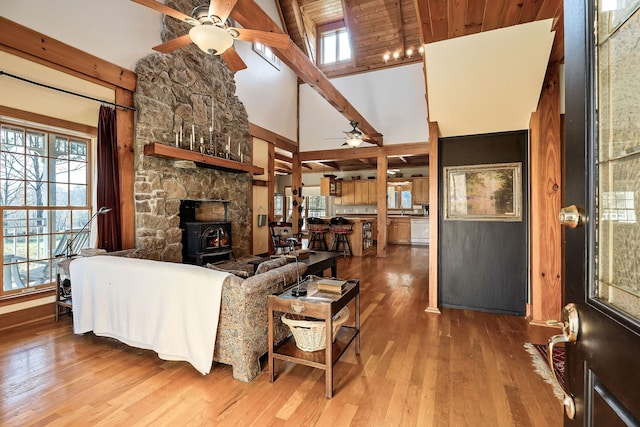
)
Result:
{"points": [[169, 152]]}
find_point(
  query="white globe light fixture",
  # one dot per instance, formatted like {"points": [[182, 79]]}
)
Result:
{"points": [[211, 39]]}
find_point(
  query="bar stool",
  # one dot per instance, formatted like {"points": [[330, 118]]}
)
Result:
{"points": [[317, 228], [341, 228]]}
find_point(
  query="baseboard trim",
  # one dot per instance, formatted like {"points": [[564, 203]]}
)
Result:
{"points": [[27, 316]]}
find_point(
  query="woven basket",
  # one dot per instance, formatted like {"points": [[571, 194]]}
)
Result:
{"points": [[311, 335]]}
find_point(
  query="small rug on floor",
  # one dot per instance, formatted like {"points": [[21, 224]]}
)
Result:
{"points": [[540, 363]]}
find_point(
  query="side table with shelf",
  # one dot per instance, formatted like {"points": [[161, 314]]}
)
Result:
{"points": [[63, 304], [319, 305]]}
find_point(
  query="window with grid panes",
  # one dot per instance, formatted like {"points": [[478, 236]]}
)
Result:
{"points": [[335, 46], [44, 201]]}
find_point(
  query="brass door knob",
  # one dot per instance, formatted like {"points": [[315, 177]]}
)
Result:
{"points": [[572, 216]]}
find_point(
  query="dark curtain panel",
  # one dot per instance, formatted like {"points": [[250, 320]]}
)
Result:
{"points": [[108, 188]]}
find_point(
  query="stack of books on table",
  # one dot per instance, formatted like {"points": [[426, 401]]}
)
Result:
{"points": [[332, 285]]}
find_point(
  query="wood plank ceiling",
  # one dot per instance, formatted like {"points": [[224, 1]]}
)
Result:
{"points": [[379, 27]]}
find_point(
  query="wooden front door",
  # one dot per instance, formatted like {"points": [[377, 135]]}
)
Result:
{"points": [[602, 253]]}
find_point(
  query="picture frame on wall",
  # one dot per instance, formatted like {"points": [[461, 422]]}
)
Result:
{"points": [[489, 192]]}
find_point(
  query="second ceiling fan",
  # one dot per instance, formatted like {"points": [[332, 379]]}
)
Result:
{"points": [[355, 137], [211, 33]]}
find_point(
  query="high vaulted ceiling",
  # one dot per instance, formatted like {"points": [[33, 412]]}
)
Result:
{"points": [[379, 27]]}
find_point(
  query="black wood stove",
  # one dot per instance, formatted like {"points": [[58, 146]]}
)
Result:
{"points": [[203, 241]]}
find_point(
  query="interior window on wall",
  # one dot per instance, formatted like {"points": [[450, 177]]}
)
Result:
{"points": [[335, 46], [313, 204], [267, 54], [399, 195], [317, 206], [278, 206], [44, 200]]}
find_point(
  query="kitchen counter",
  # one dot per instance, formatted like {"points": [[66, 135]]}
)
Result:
{"points": [[361, 239]]}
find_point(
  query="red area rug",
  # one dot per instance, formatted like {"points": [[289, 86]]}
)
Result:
{"points": [[540, 363]]}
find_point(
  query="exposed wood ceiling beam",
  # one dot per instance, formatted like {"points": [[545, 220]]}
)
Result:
{"points": [[273, 138], [283, 167], [400, 30], [283, 158], [248, 14], [289, 160], [302, 33], [366, 152], [349, 14]]}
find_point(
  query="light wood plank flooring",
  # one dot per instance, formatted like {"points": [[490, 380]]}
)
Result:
{"points": [[459, 368]]}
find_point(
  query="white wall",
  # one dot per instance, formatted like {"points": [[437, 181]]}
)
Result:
{"points": [[28, 97], [260, 234], [269, 95], [488, 82], [120, 31], [392, 100]]}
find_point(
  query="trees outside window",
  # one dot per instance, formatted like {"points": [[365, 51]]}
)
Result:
{"points": [[44, 197], [399, 195]]}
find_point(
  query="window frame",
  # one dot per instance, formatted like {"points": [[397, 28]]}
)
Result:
{"points": [[333, 28], [399, 186], [266, 53], [304, 215], [77, 213]]}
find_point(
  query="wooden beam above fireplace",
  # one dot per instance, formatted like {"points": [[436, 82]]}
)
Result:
{"points": [[168, 152]]}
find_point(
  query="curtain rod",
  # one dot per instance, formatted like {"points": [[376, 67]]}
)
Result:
{"points": [[124, 107]]}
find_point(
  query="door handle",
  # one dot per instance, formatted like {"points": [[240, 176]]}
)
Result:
{"points": [[572, 216], [570, 325]]}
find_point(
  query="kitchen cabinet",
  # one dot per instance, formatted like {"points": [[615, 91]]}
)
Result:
{"points": [[373, 192], [399, 231], [365, 192], [348, 193], [357, 192], [330, 187], [420, 191], [361, 196]]}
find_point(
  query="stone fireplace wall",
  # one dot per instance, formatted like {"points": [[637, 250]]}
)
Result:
{"points": [[175, 90]]}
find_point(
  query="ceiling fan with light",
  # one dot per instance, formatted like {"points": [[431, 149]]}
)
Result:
{"points": [[355, 137], [211, 32]]}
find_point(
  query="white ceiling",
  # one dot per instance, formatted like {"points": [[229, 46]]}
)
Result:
{"points": [[392, 100], [482, 83]]}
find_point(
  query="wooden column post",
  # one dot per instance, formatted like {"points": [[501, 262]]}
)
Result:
{"points": [[271, 182], [296, 185], [126, 163], [382, 206], [434, 213], [546, 234]]}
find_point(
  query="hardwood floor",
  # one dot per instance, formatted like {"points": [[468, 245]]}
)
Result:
{"points": [[459, 368]]}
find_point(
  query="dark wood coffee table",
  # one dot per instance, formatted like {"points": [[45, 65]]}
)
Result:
{"points": [[317, 262]]}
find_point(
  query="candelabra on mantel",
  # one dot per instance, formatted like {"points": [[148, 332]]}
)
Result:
{"points": [[211, 148]]}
